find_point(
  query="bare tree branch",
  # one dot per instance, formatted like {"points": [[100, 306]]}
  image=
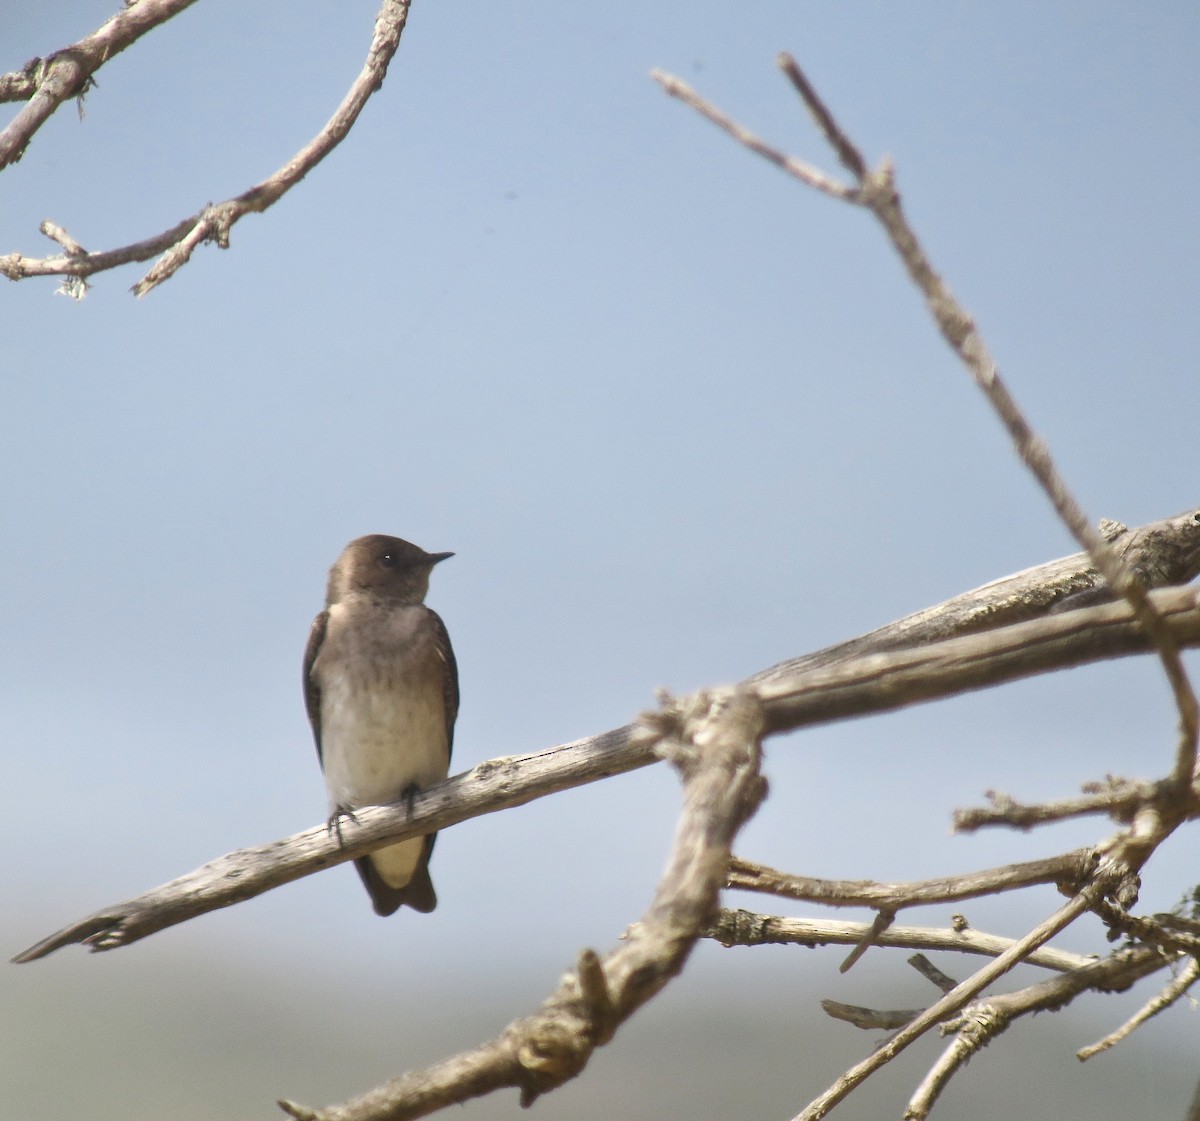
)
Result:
{"points": [[1168, 932], [214, 222], [1119, 798], [941, 981], [869, 1019], [1163, 553], [1188, 976], [47, 82], [886, 682], [1070, 868], [954, 1000], [985, 1019], [858, 686], [713, 740], [747, 928], [877, 192], [1154, 818]]}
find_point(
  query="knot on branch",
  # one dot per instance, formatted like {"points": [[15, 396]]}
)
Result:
{"points": [[975, 1026], [742, 928], [64, 74], [553, 1048], [878, 187], [555, 1045]]}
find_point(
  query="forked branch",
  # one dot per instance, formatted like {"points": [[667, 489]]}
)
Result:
{"points": [[61, 77], [713, 741], [876, 190]]}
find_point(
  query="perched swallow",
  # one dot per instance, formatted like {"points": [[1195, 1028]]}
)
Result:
{"points": [[381, 688]]}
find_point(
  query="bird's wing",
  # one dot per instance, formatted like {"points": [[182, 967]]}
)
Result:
{"points": [[449, 676], [312, 691]]}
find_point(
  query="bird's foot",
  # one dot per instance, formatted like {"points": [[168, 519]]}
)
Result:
{"points": [[409, 794], [334, 824]]}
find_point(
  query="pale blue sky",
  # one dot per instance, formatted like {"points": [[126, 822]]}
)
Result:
{"points": [[678, 417]]}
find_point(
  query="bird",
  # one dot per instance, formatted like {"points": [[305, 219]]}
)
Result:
{"points": [[381, 691]]}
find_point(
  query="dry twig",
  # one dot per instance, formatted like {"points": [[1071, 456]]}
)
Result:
{"points": [[45, 83], [978, 1024], [1069, 868], [1188, 976], [747, 928], [212, 222]]}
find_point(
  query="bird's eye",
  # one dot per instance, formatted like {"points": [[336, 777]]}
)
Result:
{"points": [[388, 560]]}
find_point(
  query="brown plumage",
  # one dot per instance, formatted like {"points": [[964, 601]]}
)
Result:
{"points": [[381, 689]]}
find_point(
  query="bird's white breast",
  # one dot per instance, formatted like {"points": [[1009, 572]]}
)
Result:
{"points": [[382, 716], [379, 738]]}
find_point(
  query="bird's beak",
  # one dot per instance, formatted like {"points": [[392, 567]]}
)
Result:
{"points": [[437, 558]]}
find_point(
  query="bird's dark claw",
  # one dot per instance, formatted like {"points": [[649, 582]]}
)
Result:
{"points": [[334, 824]]}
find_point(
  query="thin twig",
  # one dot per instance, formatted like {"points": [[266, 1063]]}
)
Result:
{"points": [[1120, 800], [882, 921], [1068, 868], [851, 158], [1188, 976], [988, 1017], [807, 175], [869, 1019], [45, 83], [748, 928], [952, 1002], [214, 222], [931, 973], [1162, 931]]}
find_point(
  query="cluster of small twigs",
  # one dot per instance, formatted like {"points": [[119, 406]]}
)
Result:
{"points": [[1117, 598], [46, 83]]}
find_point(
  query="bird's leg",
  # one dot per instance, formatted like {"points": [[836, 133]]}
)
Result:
{"points": [[334, 823], [410, 792]]}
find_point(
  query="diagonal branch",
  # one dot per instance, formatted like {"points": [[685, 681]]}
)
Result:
{"points": [[1163, 553], [713, 740], [985, 1019], [854, 687], [214, 222], [954, 1000], [45, 83], [1170, 993], [877, 192]]}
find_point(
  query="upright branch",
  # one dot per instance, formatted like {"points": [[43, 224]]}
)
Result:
{"points": [[214, 221]]}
